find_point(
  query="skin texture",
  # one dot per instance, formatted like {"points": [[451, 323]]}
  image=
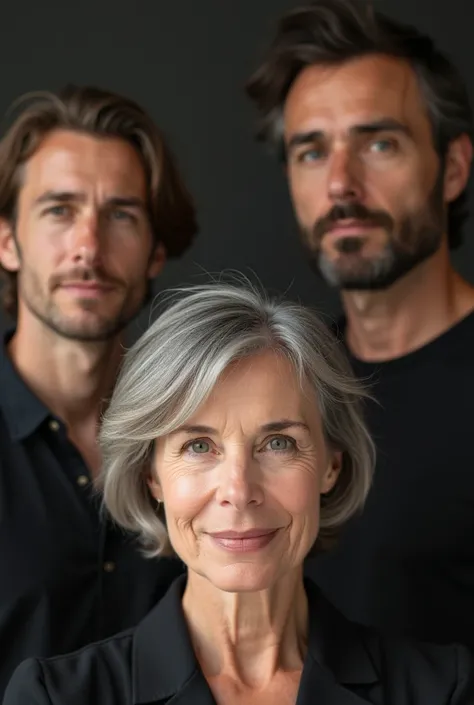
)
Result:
{"points": [[81, 221], [84, 251], [371, 199], [225, 471]]}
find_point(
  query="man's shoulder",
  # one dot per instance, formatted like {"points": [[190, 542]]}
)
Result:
{"points": [[428, 669], [428, 672], [99, 673]]}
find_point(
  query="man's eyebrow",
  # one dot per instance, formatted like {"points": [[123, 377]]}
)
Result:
{"points": [[383, 124], [78, 197], [302, 138], [126, 202], [59, 197]]}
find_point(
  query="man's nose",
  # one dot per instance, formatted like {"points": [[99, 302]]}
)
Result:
{"points": [[86, 240], [344, 177]]}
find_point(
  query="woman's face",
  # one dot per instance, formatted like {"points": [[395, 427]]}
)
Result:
{"points": [[241, 480]]}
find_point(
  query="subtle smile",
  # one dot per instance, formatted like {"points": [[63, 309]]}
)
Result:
{"points": [[244, 541]]}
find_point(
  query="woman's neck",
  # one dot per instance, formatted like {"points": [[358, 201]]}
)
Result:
{"points": [[247, 636]]}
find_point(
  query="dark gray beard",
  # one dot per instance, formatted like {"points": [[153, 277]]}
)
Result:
{"points": [[379, 273], [419, 237]]}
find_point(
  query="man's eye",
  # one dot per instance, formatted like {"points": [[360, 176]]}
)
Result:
{"points": [[59, 211], [381, 146], [121, 215], [311, 155]]}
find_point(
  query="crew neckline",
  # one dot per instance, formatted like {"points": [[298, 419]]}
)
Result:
{"points": [[432, 347]]}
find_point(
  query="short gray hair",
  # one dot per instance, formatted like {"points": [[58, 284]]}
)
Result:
{"points": [[172, 369]]}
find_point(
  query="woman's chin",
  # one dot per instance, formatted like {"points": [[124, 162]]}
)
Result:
{"points": [[243, 577]]}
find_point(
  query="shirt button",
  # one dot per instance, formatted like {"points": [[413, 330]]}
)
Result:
{"points": [[82, 480], [54, 425], [109, 566]]}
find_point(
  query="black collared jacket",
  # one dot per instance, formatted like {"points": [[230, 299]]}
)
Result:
{"points": [[154, 663]]}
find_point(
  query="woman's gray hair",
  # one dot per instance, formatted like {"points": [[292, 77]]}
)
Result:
{"points": [[174, 366]]}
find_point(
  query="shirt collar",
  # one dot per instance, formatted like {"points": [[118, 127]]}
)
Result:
{"points": [[163, 657], [22, 410], [164, 663]]}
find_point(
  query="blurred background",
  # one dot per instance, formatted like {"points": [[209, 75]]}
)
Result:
{"points": [[187, 62]]}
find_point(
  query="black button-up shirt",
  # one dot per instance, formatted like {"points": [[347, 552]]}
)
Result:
{"points": [[67, 576], [155, 663]]}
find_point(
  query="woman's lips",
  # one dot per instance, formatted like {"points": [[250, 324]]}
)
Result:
{"points": [[243, 541]]}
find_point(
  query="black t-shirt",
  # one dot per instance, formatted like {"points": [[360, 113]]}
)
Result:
{"points": [[407, 563]]}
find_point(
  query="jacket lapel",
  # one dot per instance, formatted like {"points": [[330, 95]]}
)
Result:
{"points": [[195, 692], [163, 660]]}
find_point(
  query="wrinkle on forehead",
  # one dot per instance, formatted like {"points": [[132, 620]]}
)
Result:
{"points": [[333, 98], [254, 391]]}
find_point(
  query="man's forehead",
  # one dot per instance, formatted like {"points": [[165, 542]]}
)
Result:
{"points": [[69, 159], [357, 91]]}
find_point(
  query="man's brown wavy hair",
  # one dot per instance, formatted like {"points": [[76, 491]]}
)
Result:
{"points": [[99, 113]]}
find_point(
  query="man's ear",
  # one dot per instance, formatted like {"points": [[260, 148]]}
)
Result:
{"points": [[457, 167], [157, 261], [9, 255]]}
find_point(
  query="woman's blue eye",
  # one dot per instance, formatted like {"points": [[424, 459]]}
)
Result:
{"points": [[281, 443], [200, 447]]}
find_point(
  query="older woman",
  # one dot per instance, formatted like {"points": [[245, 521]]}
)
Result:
{"points": [[235, 435]]}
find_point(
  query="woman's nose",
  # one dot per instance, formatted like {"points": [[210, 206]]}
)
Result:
{"points": [[239, 483]]}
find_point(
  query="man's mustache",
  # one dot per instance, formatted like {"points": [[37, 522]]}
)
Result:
{"points": [[82, 274], [351, 211]]}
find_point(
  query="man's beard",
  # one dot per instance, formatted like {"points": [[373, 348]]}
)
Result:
{"points": [[410, 242], [96, 329]]}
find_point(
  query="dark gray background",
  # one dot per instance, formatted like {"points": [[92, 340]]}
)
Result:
{"points": [[186, 61]]}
